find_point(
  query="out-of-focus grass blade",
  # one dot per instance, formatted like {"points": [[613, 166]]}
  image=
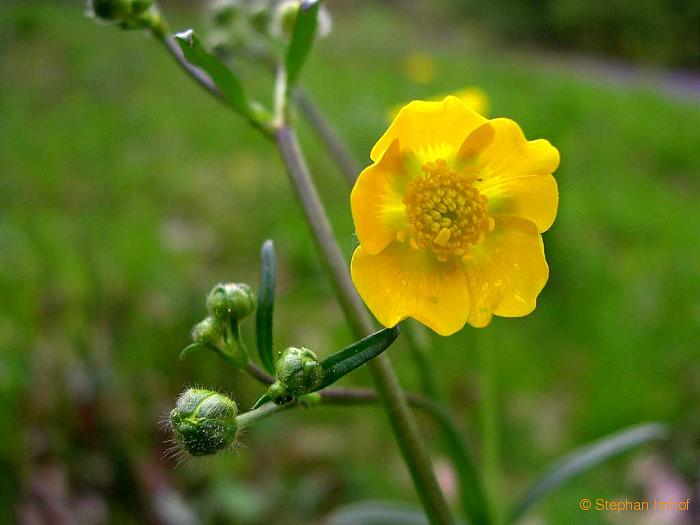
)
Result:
{"points": [[471, 490], [302, 40], [588, 456], [378, 513], [266, 301], [223, 77], [357, 354]]}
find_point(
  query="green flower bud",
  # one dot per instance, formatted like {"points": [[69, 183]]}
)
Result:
{"points": [[208, 332], [232, 299], [203, 421], [109, 10], [297, 371]]}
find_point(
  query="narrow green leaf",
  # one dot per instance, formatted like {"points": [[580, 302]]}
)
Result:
{"points": [[378, 513], [302, 40], [588, 456], [230, 359], [357, 354], [266, 301], [471, 489], [263, 399], [223, 77], [189, 349]]}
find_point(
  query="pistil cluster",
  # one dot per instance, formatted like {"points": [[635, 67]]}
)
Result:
{"points": [[445, 212]]}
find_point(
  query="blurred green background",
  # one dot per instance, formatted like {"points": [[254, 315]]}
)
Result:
{"points": [[127, 193]]}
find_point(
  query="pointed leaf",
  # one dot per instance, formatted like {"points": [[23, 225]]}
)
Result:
{"points": [[266, 301], [302, 40], [588, 456], [263, 399], [189, 349], [223, 77], [357, 354], [378, 513], [230, 359]]}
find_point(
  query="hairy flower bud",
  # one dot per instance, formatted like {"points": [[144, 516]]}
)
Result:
{"points": [[208, 332], [203, 421], [231, 299], [297, 371]]}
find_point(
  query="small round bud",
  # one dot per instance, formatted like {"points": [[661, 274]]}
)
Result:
{"points": [[297, 371], [208, 332], [109, 9], [203, 421], [231, 299]]}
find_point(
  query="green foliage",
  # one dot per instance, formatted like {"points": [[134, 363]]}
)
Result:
{"points": [[266, 302], [302, 39], [357, 354], [223, 77], [298, 370], [656, 31], [587, 457], [121, 203]]}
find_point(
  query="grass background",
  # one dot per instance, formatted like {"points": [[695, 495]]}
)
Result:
{"points": [[127, 193]]}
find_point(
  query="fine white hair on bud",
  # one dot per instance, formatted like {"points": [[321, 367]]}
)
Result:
{"points": [[297, 372], [204, 422]]}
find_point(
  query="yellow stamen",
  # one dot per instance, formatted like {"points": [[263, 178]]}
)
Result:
{"points": [[442, 237], [445, 212]]}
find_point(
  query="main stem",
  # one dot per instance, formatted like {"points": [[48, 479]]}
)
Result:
{"points": [[413, 449]]}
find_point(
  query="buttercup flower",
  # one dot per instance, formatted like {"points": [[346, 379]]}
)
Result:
{"points": [[449, 217]]}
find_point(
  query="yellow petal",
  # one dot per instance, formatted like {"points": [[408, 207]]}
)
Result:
{"points": [[517, 175], [376, 201], [400, 282], [507, 271], [429, 130]]}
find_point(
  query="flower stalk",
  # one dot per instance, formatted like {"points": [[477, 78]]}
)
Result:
{"points": [[405, 428]]}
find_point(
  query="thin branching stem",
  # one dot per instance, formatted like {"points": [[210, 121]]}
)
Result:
{"points": [[405, 428]]}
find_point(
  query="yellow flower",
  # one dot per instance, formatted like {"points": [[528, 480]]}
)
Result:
{"points": [[472, 97], [449, 217]]}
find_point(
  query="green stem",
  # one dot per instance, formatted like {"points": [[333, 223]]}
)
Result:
{"points": [[250, 418], [413, 449]]}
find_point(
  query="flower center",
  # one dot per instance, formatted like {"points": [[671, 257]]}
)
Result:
{"points": [[445, 212]]}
